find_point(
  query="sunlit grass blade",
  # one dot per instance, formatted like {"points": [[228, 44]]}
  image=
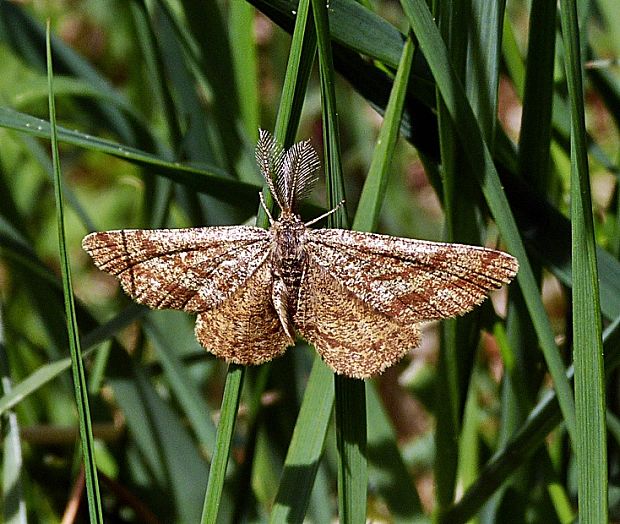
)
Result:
{"points": [[223, 442], [587, 343], [50, 371], [306, 447], [479, 156], [373, 193], [77, 366], [298, 67], [245, 62]]}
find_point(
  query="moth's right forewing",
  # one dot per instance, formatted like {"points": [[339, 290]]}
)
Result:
{"points": [[411, 280], [192, 269]]}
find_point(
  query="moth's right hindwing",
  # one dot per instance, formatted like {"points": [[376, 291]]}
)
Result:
{"points": [[351, 336]]}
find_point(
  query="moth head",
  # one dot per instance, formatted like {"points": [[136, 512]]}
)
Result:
{"points": [[289, 174]]}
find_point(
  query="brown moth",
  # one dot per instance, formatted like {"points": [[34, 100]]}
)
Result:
{"points": [[357, 297]]}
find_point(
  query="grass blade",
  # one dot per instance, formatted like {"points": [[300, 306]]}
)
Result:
{"points": [[245, 62], [306, 447], [373, 193], [175, 468], [587, 342], [13, 502], [163, 329], [207, 179], [387, 470], [79, 378], [223, 442], [545, 416]]}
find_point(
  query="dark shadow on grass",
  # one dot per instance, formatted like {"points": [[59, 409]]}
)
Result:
{"points": [[295, 488]]}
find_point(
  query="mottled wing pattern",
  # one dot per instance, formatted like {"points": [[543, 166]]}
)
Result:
{"points": [[410, 280], [351, 336], [192, 269], [245, 328]]}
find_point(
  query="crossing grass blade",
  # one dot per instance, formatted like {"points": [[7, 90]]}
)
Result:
{"points": [[350, 393], [207, 179], [77, 366], [591, 445]]}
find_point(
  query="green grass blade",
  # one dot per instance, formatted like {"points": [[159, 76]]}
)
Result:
{"points": [[12, 498], [298, 68], [27, 37], [373, 193], [351, 443], [174, 466], [79, 378], [165, 330], [387, 470], [48, 372], [206, 25], [223, 442], [480, 158], [351, 24], [205, 179], [535, 136], [306, 447], [587, 343], [245, 62], [350, 393], [484, 62], [404, 501]]}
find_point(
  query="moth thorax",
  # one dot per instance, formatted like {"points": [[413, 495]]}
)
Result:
{"points": [[288, 255]]}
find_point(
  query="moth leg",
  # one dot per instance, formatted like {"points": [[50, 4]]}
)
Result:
{"points": [[352, 337], [244, 328], [280, 297]]}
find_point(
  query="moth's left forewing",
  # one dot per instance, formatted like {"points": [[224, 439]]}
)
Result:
{"points": [[411, 280], [192, 269]]}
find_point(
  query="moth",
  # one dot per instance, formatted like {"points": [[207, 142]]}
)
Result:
{"points": [[358, 298]]}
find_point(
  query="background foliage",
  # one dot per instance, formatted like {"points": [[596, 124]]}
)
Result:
{"points": [[159, 104]]}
